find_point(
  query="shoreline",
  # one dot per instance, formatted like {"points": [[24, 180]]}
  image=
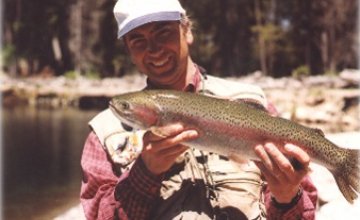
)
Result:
{"points": [[330, 103]]}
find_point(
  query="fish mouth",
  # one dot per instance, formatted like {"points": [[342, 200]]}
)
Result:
{"points": [[112, 107]]}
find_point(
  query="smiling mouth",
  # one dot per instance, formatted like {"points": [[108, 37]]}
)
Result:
{"points": [[160, 63]]}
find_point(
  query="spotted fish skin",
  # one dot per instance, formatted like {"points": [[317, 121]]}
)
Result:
{"points": [[233, 129]]}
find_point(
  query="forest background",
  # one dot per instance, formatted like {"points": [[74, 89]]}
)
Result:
{"points": [[232, 37], [45, 44]]}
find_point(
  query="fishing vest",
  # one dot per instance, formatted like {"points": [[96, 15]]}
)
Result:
{"points": [[200, 185]]}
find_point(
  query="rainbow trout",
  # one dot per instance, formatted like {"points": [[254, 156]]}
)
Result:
{"points": [[233, 128]]}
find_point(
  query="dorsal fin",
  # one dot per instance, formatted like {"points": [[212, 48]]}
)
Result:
{"points": [[252, 103], [319, 131]]}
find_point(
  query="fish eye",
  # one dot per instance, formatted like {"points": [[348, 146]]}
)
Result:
{"points": [[125, 105]]}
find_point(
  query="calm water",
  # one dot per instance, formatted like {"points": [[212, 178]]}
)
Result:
{"points": [[41, 160]]}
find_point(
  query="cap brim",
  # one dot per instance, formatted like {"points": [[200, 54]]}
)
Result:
{"points": [[159, 16]]}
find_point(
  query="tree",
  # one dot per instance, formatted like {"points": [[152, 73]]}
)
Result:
{"points": [[92, 36], [232, 37], [337, 24], [323, 34], [223, 35]]}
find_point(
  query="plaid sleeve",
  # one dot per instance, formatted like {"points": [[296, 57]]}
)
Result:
{"points": [[98, 184], [304, 209], [138, 191], [104, 195]]}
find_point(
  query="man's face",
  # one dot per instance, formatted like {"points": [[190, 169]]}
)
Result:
{"points": [[159, 50]]}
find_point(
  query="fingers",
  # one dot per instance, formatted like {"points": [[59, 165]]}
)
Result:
{"points": [[270, 177], [276, 166], [283, 179], [270, 157], [158, 133], [297, 153], [169, 142], [173, 153], [282, 163], [263, 155], [162, 145], [167, 137]]}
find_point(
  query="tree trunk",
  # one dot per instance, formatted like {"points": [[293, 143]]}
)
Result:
{"points": [[75, 36], [261, 41]]}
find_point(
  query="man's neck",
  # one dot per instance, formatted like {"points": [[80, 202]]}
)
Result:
{"points": [[187, 77], [184, 81]]}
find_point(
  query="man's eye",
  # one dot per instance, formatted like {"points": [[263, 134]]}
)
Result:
{"points": [[164, 33], [138, 43]]}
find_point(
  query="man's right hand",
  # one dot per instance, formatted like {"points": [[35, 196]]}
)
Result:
{"points": [[161, 148]]}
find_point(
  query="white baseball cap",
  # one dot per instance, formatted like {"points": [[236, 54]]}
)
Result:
{"points": [[131, 14]]}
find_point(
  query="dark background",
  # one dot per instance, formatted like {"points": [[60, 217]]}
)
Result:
{"points": [[232, 37]]}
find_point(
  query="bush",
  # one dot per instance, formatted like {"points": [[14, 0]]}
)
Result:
{"points": [[71, 75], [301, 71], [92, 75]]}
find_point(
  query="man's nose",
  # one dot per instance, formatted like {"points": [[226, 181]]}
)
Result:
{"points": [[153, 46]]}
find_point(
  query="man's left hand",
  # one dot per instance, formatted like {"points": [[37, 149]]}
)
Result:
{"points": [[283, 179]]}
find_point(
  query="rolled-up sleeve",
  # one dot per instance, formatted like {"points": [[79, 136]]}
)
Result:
{"points": [[106, 196], [304, 209]]}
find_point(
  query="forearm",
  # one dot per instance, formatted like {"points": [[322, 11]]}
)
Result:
{"points": [[304, 208]]}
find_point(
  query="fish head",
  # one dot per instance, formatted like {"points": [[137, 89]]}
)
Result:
{"points": [[138, 109]]}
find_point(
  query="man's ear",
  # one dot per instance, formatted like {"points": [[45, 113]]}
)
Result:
{"points": [[189, 37]]}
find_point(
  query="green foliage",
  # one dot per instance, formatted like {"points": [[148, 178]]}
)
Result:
{"points": [[301, 71], [331, 73], [8, 54], [72, 74], [92, 75], [269, 32]]}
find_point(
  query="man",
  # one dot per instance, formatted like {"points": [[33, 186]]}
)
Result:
{"points": [[141, 175]]}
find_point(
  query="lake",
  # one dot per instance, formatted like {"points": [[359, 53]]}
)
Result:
{"points": [[41, 160]]}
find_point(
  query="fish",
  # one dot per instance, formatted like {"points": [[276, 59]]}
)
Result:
{"points": [[233, 128]]}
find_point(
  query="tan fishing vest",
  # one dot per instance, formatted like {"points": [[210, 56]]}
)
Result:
{"points": [[201, 185]]}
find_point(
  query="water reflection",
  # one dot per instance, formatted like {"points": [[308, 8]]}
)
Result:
{"points": [[41, 159]]}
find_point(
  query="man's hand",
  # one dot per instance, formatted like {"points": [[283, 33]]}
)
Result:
{"points": [[161, 148], [283, 179]]}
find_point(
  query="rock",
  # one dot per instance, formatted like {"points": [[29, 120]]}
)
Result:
{"points": [[307, 114], [339, 209], [346, 139], [351, 76], [325, 81]]}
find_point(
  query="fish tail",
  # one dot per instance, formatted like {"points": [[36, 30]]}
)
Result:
{"points": [[347, 176]]}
